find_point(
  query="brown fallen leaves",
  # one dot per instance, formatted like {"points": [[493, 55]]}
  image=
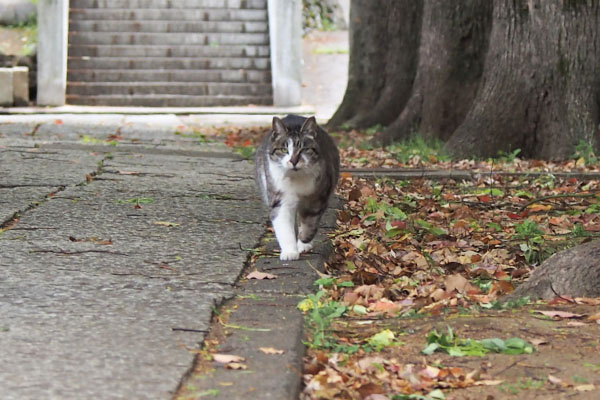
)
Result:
{"points": [[424, 245], [342, 377], [429, 247], [433, 247]]}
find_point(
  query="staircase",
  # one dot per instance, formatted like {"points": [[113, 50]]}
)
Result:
{"points": [[168, 53]]}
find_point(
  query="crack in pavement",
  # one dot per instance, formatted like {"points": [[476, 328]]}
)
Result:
{"points": [[126, 148], [14, 219]]}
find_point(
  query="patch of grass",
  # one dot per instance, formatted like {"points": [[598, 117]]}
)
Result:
{"points": [[330, 50], [199, 136], [522, 384], [594, 367], [375, 129], [508, 157], [28, 30], [137, 201], [585, 150], [506, 305], [247, 152], [417, 146], [92, 140]]}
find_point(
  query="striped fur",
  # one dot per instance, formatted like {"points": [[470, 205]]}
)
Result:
{"points": [[297, 168]]}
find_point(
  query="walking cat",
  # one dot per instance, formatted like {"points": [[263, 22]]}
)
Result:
{"points": [[297, 168]]}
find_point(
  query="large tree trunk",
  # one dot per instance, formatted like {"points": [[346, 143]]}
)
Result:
{"points": [[574, 272], [384, 38], [454, 40], [540, 90]]}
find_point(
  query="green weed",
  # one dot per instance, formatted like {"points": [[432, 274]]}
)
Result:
{"points": [[417, 146], [532, 247], [319, 320], [522, 384], [506, 305], [375, 129], [509, 157], [330, 50], [247, 152], [199, 136], [455, 346], [137, 201], [585, 150]]}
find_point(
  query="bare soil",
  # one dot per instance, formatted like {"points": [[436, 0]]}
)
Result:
{"points": [[14, 40], [564, 349]]}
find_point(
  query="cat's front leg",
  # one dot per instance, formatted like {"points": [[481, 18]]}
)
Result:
{"points": [[307, 229], [284, 222]]}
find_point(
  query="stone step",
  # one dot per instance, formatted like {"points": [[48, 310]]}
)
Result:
{"points": [[118, 75], [158, 63], [174, 14], [169, 88], [168, 100], [168, 4], [169, 26], [207, 39], [168, 51]]}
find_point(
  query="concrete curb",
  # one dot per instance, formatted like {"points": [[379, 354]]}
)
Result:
{"points": [[250, 110], [265, 314]]}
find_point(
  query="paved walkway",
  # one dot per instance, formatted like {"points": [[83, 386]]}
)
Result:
{"points": [[112, 258]]}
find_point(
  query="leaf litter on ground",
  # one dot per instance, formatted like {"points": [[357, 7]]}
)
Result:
{"points": [[421, 248]]}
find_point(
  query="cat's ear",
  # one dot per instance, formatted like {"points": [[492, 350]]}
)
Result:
{"points": [[310, 127], [278, 127]]}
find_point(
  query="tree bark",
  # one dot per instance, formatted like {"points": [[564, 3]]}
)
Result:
{"points": [[454, 40], [541, 86], [574, 272], [384, 38]]}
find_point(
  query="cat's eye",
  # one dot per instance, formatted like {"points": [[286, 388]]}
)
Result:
{"points": [[281, 150], [309, 152]]}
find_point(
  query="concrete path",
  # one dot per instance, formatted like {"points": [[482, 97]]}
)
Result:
{"points": [[112, 257]]}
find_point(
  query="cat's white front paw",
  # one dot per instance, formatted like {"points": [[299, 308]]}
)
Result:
{"points": [[304, 247], [289, 255]]}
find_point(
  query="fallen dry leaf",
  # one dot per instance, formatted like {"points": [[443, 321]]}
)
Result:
{"points": [[537, 342], [260, 275], [594, 317], [227, 358], [166, 223], [236, 365], [459, 283], [488, 382], [585, 388], [557, 381], [560, 314], [270, 350]]}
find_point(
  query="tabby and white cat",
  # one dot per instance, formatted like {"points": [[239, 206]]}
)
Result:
{"points": [[297, 168]]}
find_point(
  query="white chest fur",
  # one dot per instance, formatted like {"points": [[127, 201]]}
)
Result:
{"points": [[291, 183]]}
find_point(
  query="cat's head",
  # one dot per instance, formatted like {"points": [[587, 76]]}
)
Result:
{"points": [[294, 148]]}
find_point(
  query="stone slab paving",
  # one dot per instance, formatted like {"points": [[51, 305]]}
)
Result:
{"points": [[113, 257]]}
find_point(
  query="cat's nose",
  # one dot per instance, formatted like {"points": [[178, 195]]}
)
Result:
{"points": [[294, 160]]}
